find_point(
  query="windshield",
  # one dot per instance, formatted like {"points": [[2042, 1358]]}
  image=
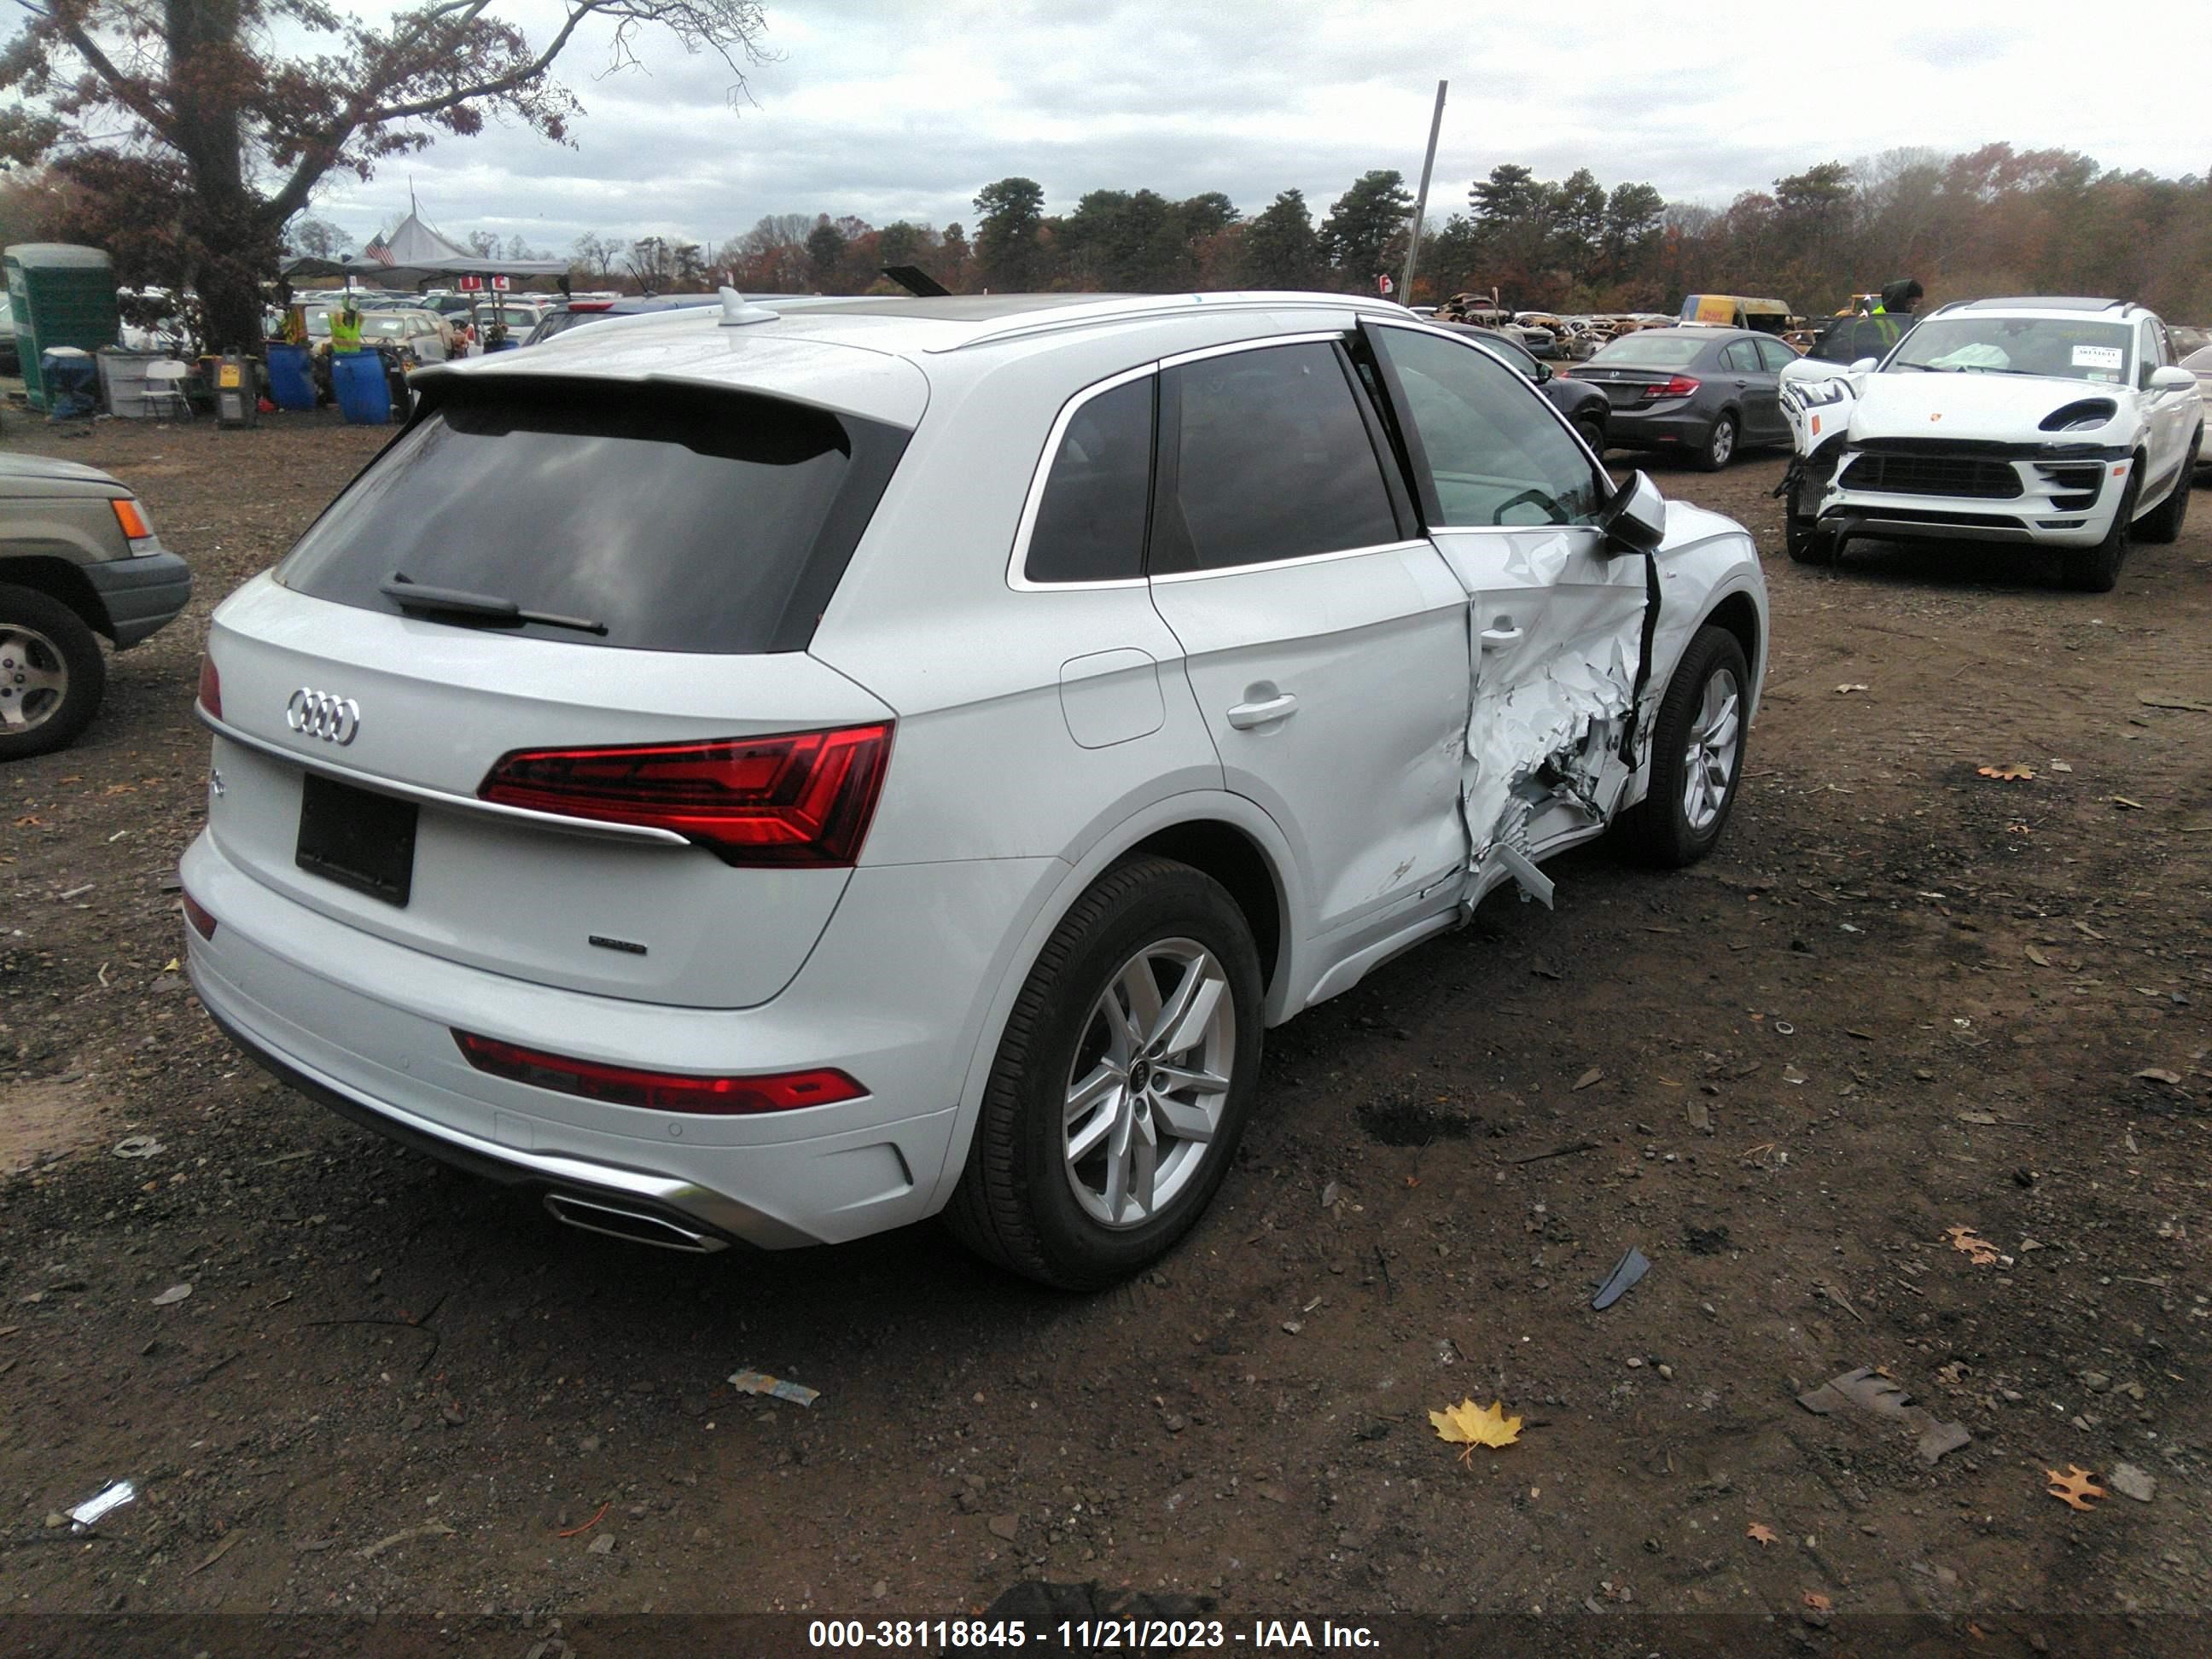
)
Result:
{"points": [[2199, 360], [2064, 349], [1651, 350]]}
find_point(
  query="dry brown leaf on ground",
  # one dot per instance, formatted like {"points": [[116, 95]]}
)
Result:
{"points": [[2075, 1486], [1817, 1602], [1469, 1424], [1977, 1250], [2037, 957], [1760, 1530], [2011, 772]]}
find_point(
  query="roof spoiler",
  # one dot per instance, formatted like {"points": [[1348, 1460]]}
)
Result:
{"points": [[917, 282]]}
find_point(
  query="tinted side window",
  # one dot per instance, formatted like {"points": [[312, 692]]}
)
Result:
{"points": [[1091, 522], [1739, 354], [1495, 451], [1776, 355], [1271, 461]]}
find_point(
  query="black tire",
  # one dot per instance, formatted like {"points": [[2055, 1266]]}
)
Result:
{"points": [[2164, 524], [2097, 570], [1806, 543], [1658, 830], [1592, 432], [42, 639], [1015, 1204], [1719, 447]]}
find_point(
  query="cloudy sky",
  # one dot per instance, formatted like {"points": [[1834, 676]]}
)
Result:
{"points": [[903, 108]]}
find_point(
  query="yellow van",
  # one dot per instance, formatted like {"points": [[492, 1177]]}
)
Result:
{"points": [[1735, 311]]}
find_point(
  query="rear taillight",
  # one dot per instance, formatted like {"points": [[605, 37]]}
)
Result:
{"points": [[799, 798], [196, 913], [210, 687], [662, 1091], [1680, 387]]}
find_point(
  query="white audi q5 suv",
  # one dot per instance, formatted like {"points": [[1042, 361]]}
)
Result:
{"points": [[776, 773]]}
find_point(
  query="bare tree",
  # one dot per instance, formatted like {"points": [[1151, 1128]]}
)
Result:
{"points": [[202, 88]]}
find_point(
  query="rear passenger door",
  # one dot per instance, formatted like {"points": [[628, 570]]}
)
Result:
{"points": [[1758, 389], [1324, 639]]}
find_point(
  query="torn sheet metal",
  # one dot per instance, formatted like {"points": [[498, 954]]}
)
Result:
{"points": [[87, 1515], [1543, 758]]}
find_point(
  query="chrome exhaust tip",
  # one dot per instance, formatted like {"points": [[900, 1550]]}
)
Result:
{"points": [[596, 1215]]}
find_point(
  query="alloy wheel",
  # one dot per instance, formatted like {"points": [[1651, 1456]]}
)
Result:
{"points": [[1709, 761], [1149, 1082], [34, 678]]}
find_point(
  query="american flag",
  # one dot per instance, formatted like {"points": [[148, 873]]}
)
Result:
{"points": [[378, 251]]}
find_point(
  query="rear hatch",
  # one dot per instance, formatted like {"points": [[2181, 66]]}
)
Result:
{"points": [[533, 694]]}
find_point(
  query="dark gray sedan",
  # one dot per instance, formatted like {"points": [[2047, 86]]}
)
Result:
{"points": [[1695, 390]]}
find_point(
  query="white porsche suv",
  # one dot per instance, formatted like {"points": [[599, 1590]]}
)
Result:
{"points": [[2049, 423], [775, 774]]}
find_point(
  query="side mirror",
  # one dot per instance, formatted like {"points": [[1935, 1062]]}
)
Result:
{"points": [[1865, 365], [1635, 520], [2171, 377], [1544, 373]]}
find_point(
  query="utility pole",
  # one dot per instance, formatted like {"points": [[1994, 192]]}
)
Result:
{"points": [[1421, 202]]}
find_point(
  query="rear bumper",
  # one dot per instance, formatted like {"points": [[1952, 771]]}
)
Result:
{"points": [[1646, 428], [142, 595], [365, 1026]]}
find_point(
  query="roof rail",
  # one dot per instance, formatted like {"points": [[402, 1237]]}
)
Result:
{"points": [[1145, 304]]}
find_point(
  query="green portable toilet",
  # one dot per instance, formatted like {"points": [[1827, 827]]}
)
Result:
{"points": [[62, 295]]}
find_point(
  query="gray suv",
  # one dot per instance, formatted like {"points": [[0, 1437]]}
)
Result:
{"points": [[77, 558]]}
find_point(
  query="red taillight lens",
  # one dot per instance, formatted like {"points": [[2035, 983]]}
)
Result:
{"points": [[798, 797], [196, 913], [210, 686], [1680, 387], [662, 1091]]}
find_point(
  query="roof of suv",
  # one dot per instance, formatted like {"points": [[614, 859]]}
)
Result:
{"points": [[862, 356]]}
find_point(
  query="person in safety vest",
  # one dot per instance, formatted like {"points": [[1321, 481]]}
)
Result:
{"points": [[345, 329], [1873, 334]]}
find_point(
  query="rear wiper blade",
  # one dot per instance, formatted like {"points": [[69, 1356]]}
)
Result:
{"points": [[410, 595]]}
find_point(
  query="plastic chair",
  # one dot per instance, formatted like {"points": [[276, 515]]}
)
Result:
{"points": [[165, 390]]}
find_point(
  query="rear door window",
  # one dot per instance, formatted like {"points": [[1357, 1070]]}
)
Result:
{"points": [[1739, 356], [673, 518], [1776, 355], [1265, 458], [1089, 524]]}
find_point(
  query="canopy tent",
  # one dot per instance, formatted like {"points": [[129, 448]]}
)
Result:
{"points": [[416, 253]]}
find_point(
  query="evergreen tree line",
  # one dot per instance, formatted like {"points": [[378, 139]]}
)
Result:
{"points": [[1995, 220]]}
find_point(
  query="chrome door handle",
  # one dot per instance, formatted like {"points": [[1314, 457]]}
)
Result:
{"points": [[1494, 638], [1246, 715]]}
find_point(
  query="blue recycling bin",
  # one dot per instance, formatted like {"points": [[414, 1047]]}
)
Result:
{"points": [[291, 381], [357, 379], [72, 379]]}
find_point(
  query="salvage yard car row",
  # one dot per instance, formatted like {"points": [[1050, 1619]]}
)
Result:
{"points": [[1095, 683]]}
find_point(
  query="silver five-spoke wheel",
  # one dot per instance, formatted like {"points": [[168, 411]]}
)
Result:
{"points": [[1709, 762], [1150, 1078], [34, 678]]}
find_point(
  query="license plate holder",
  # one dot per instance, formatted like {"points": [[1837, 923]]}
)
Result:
{"points": [[357, 838]]}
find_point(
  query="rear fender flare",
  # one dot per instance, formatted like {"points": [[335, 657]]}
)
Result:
{"points": [[1011, 971]]}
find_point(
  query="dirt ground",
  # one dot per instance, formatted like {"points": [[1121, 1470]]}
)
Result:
{"points": [[1902, 998]]}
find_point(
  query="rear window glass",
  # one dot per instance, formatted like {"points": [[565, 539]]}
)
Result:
{"points": [[1091, 523], [679, 520], [1649, 350]]}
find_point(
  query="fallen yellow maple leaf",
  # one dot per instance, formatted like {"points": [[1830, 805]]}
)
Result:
{"points": [[1760, 1530], [2011, 773], [1476, 1425]]}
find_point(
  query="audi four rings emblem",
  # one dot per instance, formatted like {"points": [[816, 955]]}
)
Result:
{"points": [[315, 714]]}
